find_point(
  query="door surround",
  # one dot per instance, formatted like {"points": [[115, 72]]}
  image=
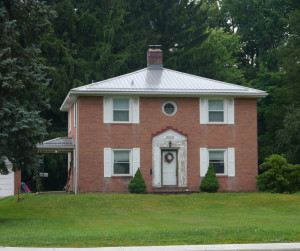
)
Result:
{"points": [[169, 139]]}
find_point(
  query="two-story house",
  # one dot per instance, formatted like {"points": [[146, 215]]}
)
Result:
{"points": [[169, 124]]}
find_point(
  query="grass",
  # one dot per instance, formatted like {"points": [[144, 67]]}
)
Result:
{"points": [[90, 220]]}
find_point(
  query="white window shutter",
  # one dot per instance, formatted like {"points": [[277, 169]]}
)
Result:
{"points": [[107, 110], [203, 111], [136, 160], [203, 161], [135, 111], [230, 111], [107, 162], [231, 162]]}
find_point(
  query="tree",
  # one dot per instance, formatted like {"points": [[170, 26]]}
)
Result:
{"points": [[137, 184], [278, 175], [210, 182], [22, 81], [288, 138]]}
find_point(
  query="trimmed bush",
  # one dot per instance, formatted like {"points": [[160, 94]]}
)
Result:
{"points": [[278, 176], [210, 182], [137, 184]]}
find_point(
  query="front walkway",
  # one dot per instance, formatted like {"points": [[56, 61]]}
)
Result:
{"points": [[227, 247]]}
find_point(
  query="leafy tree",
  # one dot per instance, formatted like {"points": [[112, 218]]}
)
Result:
{"points": [[22, 81], [288, 138], [278, 176], [217, 58], [137, 184], [210, 182]]}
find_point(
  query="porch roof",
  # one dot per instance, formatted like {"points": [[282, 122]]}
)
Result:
{"points": [[57, 145]]}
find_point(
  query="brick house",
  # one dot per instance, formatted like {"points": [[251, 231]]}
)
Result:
{"points": [[167, 123]]}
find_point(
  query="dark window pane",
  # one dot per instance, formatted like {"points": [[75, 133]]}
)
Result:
{"points": [[216, 117], [121, 168], [121, 115], [219, 167], [169, 108]]}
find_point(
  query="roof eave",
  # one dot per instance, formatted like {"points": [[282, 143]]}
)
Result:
{"points": [[75, 94]]}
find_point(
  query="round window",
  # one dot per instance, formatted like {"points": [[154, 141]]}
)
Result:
{"points": [[169, 108]]}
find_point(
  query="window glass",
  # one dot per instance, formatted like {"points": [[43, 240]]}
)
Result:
{"points": [[121, 109], [121, 104], [121, 162], [217, 159], [216, 110], [169, 108], [215, 105]]}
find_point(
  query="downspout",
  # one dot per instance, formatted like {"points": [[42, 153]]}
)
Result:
{"points": [[76, 150]]}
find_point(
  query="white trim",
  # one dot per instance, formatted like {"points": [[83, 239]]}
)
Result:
{"points": [[130, 161], [228, 110], [133, 109], [107, 152], [231, 162], [171, 102], [224, 111], [69, 121], [135, 160], [76, 150], [225, 152], [129, 110], [75, 115], [203, 161]]}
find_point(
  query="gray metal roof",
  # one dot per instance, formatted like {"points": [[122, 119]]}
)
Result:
{"points": [[61, 144], [158, 82]]}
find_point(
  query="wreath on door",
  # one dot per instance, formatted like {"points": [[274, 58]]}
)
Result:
{"points": [[169, 157]]}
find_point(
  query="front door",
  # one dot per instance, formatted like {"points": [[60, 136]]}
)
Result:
{"points": [[169, 167]]}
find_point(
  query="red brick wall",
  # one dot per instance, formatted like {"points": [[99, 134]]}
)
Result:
{"points": [[94, 135]]}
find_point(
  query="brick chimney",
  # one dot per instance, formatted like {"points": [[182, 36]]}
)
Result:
{"points": [[155, 57]]}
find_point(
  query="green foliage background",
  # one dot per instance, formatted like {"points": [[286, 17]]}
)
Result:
{"points": [[253, 43]]}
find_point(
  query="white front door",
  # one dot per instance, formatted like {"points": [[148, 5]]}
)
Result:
{"points": [[169, 167]]}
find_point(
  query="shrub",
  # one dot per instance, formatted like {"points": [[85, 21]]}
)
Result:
{"points": [[278, 176], [210, 182], [137, 184]]}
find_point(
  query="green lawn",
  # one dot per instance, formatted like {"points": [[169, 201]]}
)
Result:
{"points": [[89, 220]]}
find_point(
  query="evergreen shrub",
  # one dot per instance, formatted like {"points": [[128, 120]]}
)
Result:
{"points": [[210, 182], [137, 184], [278, 175]]}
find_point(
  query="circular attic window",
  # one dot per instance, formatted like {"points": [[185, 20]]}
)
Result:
{"points": [[169, 108]]}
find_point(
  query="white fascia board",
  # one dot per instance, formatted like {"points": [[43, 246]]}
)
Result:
{"points": [[170, 94], [69, 100]]}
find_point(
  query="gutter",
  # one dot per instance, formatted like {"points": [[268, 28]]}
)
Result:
{"points": [[72, 95]]}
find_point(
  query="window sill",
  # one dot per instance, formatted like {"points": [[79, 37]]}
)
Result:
{"points": [[121, 176]]}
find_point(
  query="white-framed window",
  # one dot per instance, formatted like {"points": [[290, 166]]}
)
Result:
{"points": [[216, 110], [218, 157], [121, 162], [223, 160], [169, 108], [121, 110]]}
